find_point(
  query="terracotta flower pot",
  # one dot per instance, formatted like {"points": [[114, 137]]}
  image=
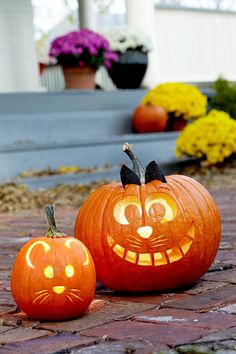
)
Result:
{"points": [[79, 78]]}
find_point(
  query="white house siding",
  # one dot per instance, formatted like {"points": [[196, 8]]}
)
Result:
{"points": [[194, 45], [18, 63]]}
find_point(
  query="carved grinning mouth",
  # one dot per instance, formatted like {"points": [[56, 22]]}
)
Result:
{"points": [[158, 258]]}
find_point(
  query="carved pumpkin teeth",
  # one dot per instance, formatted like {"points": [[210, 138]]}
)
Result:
{"points": [[119, 250], [131, 257], [159, 258], [145, 259], [174, 254], [110, 241], [185, 244]]}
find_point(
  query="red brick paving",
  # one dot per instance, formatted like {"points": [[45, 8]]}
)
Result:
{"points": [[154, 333], [194, 316]]}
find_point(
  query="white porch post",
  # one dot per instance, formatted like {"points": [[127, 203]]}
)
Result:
{"points": [[86, 14], [141, 14], [18, 62]]}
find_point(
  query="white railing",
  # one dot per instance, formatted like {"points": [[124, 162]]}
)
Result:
{"points": [[194, 45], [191, 45]]}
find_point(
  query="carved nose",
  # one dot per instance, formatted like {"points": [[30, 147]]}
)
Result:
{"points": [[59, 289], [145, 231]]}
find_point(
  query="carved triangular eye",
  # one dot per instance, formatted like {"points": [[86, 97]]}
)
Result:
{"points": [[128, 176], [153, 173]]}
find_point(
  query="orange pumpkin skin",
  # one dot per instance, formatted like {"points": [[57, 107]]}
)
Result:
{"points": [[148, 118], [53, 278], [182, 245]]}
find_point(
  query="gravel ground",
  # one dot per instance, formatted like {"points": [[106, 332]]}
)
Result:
{"points": [[15, 196], [213, 177]]}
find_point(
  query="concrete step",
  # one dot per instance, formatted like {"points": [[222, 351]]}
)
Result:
{"points": [[110, 174], [85, 153]]}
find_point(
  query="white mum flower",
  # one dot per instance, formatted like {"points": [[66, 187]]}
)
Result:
{"points": [[123, 38]]}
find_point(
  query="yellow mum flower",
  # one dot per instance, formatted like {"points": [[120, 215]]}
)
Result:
{"points": [[181, 99], [212, 138]]}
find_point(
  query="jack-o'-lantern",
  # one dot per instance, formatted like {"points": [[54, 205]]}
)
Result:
{"points": [[151, 232], [53, 277]]}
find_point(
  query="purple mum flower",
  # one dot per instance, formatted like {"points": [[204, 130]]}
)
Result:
{"points": [[83, 47]]}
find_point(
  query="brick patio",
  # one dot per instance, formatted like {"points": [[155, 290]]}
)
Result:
{"points": [[204, 314]]}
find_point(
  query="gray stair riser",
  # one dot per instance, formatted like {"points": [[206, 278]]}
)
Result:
{"points": [[61, 128], [91, 154], [70, 101]]}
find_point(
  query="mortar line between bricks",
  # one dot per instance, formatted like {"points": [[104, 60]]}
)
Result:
{"points": [[75, 331], [78, 347], [188, 324]]}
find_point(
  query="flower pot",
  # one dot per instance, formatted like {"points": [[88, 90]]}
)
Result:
{"points": [[79, 78], [129, 71], [176, 123]]}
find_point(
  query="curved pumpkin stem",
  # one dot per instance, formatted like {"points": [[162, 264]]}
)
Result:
{"points": [[52, 231], [138, 167]]}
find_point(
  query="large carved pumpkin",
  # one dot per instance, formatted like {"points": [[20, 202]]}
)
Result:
{"points": [[151, 232], [53, 277]]}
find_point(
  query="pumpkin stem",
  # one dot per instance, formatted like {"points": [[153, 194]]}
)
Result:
{"points": [[52, 231], [138, 167]]}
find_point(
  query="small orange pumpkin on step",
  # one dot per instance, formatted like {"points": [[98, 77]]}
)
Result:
{"points": [[149, 232], [148, 118], [53, 277]]}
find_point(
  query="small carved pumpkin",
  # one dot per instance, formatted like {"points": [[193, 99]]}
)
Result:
{"points": [[151, 232], [148, 118], [53, 277]]}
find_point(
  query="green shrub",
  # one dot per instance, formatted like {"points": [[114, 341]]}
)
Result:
{"points": [[225, 98]]}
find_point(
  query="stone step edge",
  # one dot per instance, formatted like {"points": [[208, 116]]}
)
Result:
{"points": [[110, 173]]}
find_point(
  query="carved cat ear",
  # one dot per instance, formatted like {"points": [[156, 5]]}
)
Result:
{"points": [[154, 173], [128, 176]]}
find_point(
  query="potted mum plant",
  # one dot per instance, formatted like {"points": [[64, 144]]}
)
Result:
{"points": [[211, 139], [182, 102], [131, 46], [81, 53]]}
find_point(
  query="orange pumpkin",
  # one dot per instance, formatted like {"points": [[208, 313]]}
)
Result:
{"points": [[53, 277], [148, 118], [151, 232]]}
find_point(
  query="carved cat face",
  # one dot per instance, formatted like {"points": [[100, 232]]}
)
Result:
{"points": [[145, 233]]}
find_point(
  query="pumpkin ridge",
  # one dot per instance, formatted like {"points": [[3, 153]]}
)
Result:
{"points": [[103, 240], [209, 205], [84, 211], [206, 249], [99, 199], [205, 255], [88, 225]]}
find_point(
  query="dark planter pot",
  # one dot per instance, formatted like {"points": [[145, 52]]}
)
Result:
{"points": [[175, 123], [129, 71]]}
